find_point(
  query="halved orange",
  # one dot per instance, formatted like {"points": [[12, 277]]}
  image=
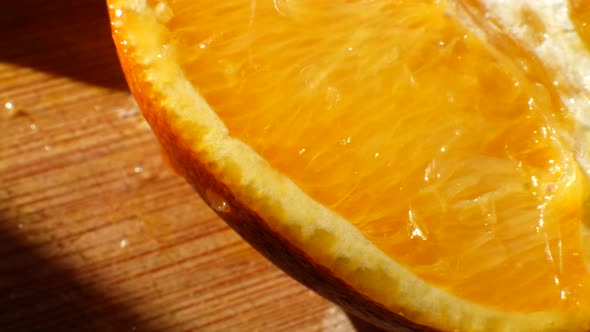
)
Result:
{"points": [[421, 163]]}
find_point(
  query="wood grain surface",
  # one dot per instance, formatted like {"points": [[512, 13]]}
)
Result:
{"points": [[96, 233]]}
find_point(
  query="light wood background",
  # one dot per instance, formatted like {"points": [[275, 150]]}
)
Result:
{"points": [[96, 233]]}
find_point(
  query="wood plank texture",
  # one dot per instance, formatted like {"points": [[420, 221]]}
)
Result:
{"points": [[96, 233]]}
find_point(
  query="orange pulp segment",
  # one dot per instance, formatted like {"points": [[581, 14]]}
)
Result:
{"points": [[451, 156]]}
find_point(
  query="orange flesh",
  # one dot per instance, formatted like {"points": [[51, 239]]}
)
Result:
{"points": [[580, 16], [446, 153]]}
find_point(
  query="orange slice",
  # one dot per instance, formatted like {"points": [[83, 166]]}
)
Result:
{"points": [[421, 163]]}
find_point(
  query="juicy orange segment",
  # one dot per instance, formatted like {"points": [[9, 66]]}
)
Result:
{"points": [[450, 156], [430, 154]]}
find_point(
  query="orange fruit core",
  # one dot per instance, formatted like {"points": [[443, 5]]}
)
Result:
{"points": [[450, 152]]}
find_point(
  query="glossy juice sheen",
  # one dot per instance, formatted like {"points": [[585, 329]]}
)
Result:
{"points": [[450, 154]]}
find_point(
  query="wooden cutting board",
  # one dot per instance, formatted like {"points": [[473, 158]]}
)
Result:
{"points": [[96, 233]]}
